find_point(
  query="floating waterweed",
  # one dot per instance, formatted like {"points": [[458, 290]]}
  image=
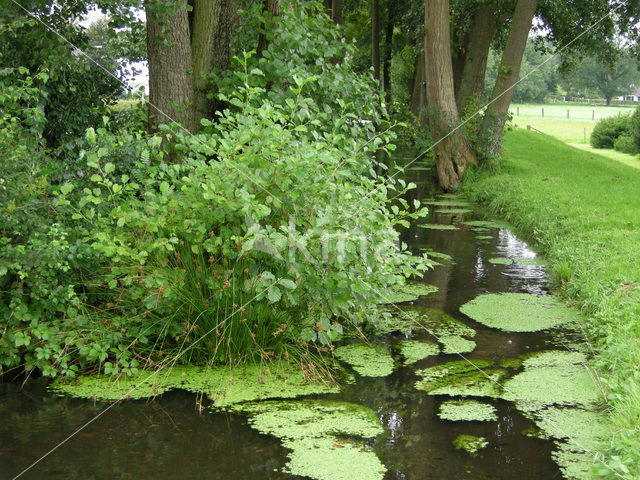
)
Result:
{"points": [[456, 344], [225, 385], [500, 261], [460, 378], [470, 444], [518, 312], [527, 261], [416, 350], [448, 203], [407, 292], [438, 226], [454, 211], [315, 431], [467, 411], [487, 224], [367, 360]]}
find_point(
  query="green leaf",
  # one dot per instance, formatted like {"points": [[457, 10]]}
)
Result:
{"points": [[164, 186], [96, 178], [274, 294], [109, 167], [66, 188], [290, 284]]}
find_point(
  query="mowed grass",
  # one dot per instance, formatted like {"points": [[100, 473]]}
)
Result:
{"points": [[569, 131], [582, 210], [558, 111]]}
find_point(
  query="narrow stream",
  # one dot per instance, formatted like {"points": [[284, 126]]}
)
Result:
{"points": [[168, 439]]}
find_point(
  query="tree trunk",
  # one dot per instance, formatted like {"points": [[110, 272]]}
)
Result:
{"points": [[388, 48], [418, 94], [509, 72], [375, 39], [482, 30], [336, 12], [452, 151], [270, 9], [170, 83]]}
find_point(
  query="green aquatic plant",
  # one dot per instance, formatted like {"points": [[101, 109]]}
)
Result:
{"points": [[448, 203], [470, 444], [326, 438], [552, 378], [408, 292], [438, 226], [500, 261], [518, 312], [223, 385], [461, 378], [416, 350], [527, 261], [456, 344], [487, 224], [440, 324], [510, 363], [467, 411], [393, 320], [484, 237], [429, 320], [367, 360], [454, 211]]}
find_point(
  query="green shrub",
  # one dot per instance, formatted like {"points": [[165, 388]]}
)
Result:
{"points": [[607, 130], [625, 144], [634, 128]]}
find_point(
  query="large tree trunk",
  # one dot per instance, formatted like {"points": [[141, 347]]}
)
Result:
{"points": [[170, 83], [418, 93], [388, 50], [210, 49], [270, 9], [375, 39], [496, 113], [482, 30], [335, 7], [452, 150]]}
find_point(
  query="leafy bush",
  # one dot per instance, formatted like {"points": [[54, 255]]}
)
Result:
{"points": [[607, 130], [635, 128], [625, 144]]}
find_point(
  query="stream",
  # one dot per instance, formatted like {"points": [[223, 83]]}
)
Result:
{"points": [[167, 438]]}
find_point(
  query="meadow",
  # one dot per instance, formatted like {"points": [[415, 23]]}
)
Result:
{"points": [[580, 210]]}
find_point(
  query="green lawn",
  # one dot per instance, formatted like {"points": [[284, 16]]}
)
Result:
{"points": [[582, 210], [558, 111]]}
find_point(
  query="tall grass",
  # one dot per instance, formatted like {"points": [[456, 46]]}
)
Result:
{"points": [[582, 210]]}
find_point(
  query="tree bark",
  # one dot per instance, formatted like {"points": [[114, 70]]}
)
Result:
{"points": [[388, 50], [482, 31], [336, 12], [375, 39], [495, 116], [270, 9], [418, 93], [170, 83], [452, 150]]}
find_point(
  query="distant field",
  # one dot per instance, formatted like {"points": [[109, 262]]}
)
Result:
{"points": [[558, 111], [569, 131]]}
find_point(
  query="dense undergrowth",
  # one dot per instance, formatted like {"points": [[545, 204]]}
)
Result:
{"points": [[582, 211], [263, 236]]}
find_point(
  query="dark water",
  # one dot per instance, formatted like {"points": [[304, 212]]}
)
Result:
{"points": [[169, 439]]}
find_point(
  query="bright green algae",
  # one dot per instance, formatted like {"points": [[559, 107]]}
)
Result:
{"points": [[552, 378], [408, 292], [429, 320], [448, 203], [326, 438], [224, 385], [461, 378], [367, 360], [454, 211], [518, 312], [487, 224], [470, 444], [500, 261], [415, 350], [467, 411], [527, 261], [456, 344], [438, 226]]}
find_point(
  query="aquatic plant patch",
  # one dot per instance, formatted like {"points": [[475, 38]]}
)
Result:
{"points": [[531, 262], [448, 203], [224, 385], [408, 292], [367, 360], [415, 350], [454, 211], [500, 261], [470, 444], [484, 237], [518, 312], [438, 226], [487, 224], [467, 411], [394, 320], [549, 378], [326, 438], [441, 324], [456, 344], [461, 378]]}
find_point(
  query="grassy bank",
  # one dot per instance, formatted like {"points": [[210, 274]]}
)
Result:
{"points": [[582, 211]]}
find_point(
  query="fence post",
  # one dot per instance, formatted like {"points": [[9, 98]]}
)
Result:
{"points": [[543, 112], [593, 114], [517, 110], [567, 113]]}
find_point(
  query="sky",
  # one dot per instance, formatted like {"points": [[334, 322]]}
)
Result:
{"points": [[141, 79]]}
